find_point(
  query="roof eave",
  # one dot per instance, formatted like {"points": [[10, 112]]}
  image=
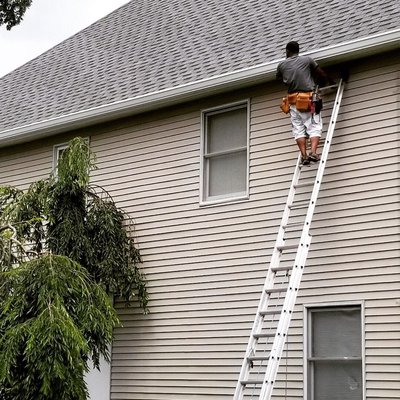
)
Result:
{"points": [[262, 73]]}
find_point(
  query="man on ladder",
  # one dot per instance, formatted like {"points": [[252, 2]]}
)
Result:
{"points": [[298, 72], [260, 349]]}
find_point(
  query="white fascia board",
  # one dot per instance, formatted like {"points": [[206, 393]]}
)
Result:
{"points": [[262, 73]]}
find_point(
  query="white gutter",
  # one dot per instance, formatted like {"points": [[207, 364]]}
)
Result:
{"points": [[262, 73]]}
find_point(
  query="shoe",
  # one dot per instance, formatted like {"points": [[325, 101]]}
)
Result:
{"points": [[304, 161], [313, 157]]}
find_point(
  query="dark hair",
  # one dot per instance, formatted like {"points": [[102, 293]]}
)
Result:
{"points": [[293, 47]]}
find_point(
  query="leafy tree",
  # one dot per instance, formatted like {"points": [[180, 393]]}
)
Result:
{"points": [[13, 11], [63, 246], [54, 316]]}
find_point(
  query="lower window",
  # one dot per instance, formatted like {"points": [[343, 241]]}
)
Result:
{"points": [[334, 353]]}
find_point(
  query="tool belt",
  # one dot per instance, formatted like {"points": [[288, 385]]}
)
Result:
{"points": [[303, 101]]}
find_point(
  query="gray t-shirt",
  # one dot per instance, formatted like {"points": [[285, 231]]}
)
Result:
{"points": [[296, 73]]}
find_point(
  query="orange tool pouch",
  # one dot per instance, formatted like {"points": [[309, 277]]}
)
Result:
{"points": [[292, 98], [285, 107], [302, 101]]}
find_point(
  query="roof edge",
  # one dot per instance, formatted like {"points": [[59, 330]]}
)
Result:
{"points": [[261, 73]]}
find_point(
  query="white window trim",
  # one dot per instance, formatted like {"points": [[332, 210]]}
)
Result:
{"points": [[306, 339], [229, 198], [56, 153], [57, 148]]}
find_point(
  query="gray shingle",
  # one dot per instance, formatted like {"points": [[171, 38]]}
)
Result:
{"points": [[146, 46]]}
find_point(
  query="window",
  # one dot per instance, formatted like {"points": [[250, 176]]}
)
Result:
{"points": [[334, 354], [59, 149], [225, 153], [57, 152]]}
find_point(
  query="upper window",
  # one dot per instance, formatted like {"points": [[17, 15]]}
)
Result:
{"points": [[57, 152], [225, 153], [334, 354]]}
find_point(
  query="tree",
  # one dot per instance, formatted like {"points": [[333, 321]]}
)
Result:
{"points": [[54, 316], [64, 246], [13, 11]]}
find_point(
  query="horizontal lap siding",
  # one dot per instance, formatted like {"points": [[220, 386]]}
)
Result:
{"points": [[206, 266], [22, 165], [359, 206], [195, 260]]}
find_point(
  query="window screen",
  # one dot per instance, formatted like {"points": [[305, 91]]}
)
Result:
{"points": [[334, 354], [225, 173]]}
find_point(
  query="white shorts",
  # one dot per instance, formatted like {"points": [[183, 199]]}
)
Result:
{"points": [[305, 124]]}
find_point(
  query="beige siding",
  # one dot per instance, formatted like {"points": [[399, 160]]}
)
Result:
{"points": [[23, 165], [206, 265]]}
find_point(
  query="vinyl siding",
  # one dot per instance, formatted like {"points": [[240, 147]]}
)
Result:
{"points": [[206, 265], [22, 165]]}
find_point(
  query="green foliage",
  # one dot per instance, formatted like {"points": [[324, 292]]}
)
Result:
{"points": [[63, 247], [52, 317], [13, 11], [75, 164], [89, 228], [66, 216], [114, 260]]}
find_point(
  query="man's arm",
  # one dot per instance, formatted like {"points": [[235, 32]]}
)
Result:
{"points": [[322, 78], [278, 75]]}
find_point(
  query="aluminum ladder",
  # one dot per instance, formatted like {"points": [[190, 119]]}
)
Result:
{"points": [[265, 327]]}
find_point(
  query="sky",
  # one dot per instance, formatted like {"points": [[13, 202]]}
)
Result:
{"points": [[46, 23]]}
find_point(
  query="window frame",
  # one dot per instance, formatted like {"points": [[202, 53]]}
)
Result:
{"points": [[307, 310], [206, 200], [57, 149]]}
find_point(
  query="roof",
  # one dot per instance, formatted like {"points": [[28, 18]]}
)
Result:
{"points": [[148, 47]]}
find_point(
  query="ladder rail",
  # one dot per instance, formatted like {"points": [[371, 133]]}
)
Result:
{"points": [[299, 264], [284, 321], [295, 278], [268, 284]]}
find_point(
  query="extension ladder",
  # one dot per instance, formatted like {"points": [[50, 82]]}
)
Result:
{"points": [[265, 327]]}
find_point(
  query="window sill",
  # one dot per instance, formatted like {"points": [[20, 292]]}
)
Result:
{"points": [[224, 200]]}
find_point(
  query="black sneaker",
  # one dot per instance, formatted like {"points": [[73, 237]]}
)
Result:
{"points": [[313, 157], [305, 161]]}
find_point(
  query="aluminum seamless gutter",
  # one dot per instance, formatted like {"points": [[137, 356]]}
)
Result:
{"points": [[262, 73]]}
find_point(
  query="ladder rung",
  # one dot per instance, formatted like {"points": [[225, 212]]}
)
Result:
{"points": [[252, 382], [275, 290], [299, 204], [304, 184], [257, 358], [322, 89], [263, 335], [292, 225], [281, 268], [287, 247], [269, 312]]}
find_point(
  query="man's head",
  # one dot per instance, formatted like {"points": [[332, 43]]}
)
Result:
{"points": [[292, 48]]}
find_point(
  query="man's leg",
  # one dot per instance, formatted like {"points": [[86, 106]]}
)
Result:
{"points": [[299, 133], [314, 129], [314, 144], [302, 144]]}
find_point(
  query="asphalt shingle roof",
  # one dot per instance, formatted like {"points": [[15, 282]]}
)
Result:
{"points": [[146, 46]]}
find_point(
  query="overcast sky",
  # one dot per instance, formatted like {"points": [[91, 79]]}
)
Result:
{"points": [[46, 23]]}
